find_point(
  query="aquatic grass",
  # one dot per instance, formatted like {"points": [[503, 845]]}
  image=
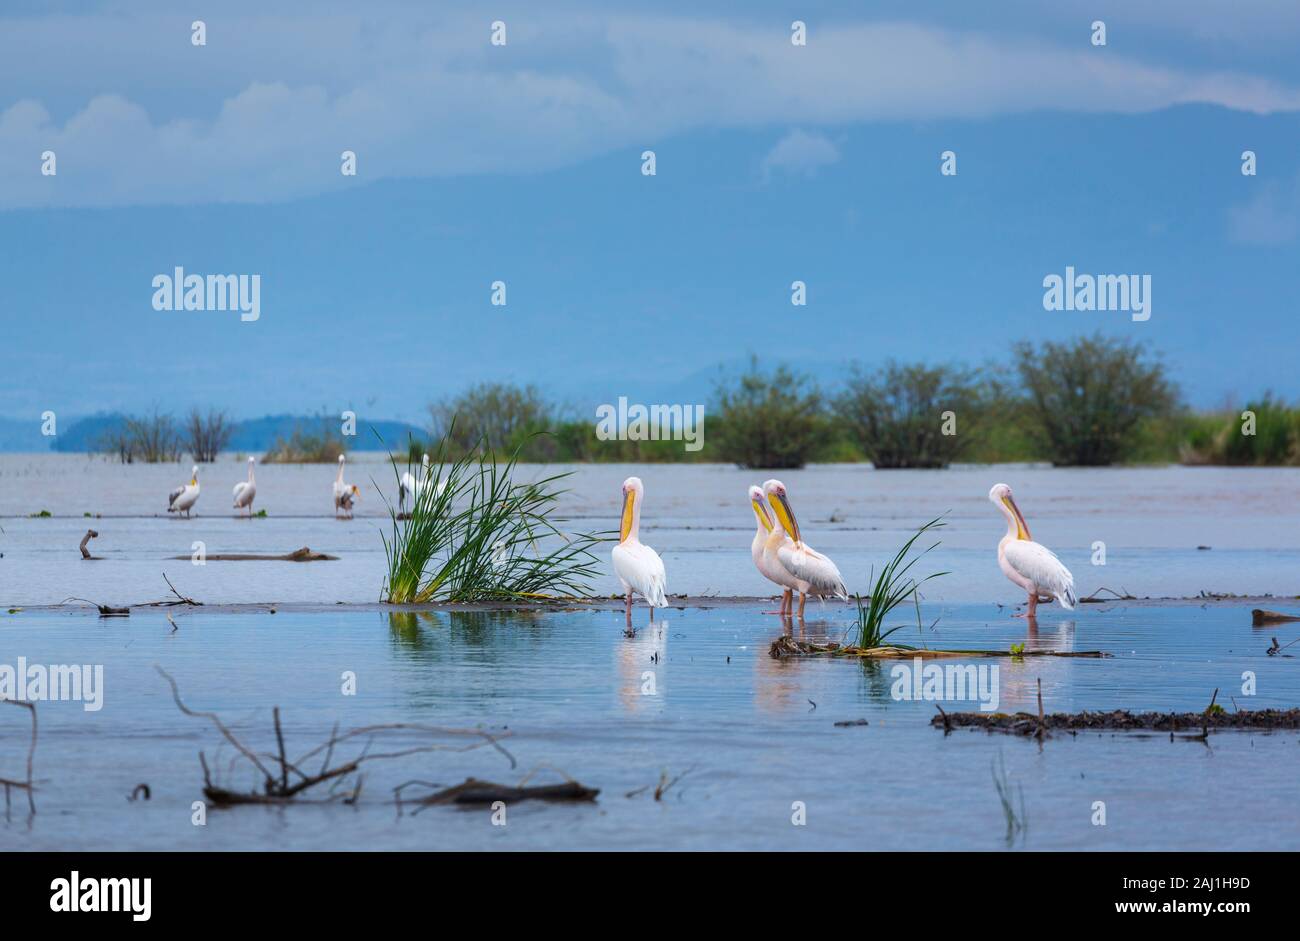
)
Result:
{"points": [[473, 534], [1017, 820], [890, 588]]}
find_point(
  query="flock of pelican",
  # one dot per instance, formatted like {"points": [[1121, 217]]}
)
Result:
{"points": [[183, 498], [783, 558], [778, 549]]}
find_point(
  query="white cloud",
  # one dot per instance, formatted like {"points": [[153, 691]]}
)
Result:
{"points": [[800, 152], [1270, 217], [271, 102]]}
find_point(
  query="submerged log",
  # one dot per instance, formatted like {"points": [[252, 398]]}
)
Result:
{"points": [[786, 646], [1022, 723], [474, 791], [85, 553], [298, 555], [1262, 617]]}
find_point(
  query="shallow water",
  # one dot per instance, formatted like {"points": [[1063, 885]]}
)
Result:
{"points": [[1151, 520], [755, 735]]}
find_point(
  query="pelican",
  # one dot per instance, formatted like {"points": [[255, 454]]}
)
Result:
{"points": [[184, 497], [812, 572], [410, 484], [245, 490], [1029, 564], [766, 529], [344, 494], [638, 566]]}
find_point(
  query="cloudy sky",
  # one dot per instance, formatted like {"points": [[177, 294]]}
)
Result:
{"points": [[522, 163]]}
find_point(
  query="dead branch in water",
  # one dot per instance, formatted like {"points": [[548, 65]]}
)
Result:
{"points": [[28, 784], [474, 791], [278, 787], [786, 646], [1262, 617], [1095, 597], [1120, 720], [85, 553], [181, 599], [105, 611], [305, 554]]}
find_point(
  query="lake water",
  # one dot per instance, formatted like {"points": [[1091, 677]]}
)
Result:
{"points": [[755, 737], [1151, 520]]}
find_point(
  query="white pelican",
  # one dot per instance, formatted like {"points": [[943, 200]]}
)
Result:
{"points": [[638, 566], [813, 573], [410, 484], [245, 490], [344, 494], [767, 529], [182, 498], [1029, 564]]}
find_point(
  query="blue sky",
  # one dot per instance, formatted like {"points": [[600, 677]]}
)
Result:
{"points": [[522, 163]]}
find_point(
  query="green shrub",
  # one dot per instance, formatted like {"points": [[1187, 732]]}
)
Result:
{"points": [[1086, 399], [896, 415], [774, 420]]}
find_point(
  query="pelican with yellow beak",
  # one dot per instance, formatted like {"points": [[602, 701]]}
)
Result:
{"points": [[638, 566], [767, 529], [1029, 564], [812, 572]]}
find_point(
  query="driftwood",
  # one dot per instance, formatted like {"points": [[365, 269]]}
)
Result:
{"points": [[474, 791], [787, 646], [28, 783], [284, 781], [85, 553], [105, 611], [1261, 617], [1095, 597], [1023, 723], [298, 555]]}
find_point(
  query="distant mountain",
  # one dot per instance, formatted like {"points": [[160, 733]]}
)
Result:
{"points": [[253, 436]]}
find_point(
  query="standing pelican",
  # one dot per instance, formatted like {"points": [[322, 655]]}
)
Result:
{"points": [[1029, 564], [410, 484], [638, 566], [344, 494], [245, 490], [182, 498], [813, 573], [767, 529]]}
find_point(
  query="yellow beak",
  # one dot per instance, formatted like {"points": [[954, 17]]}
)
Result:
{"points": [[761, 512], [781, 507], [625, 523], [1022, 530]]}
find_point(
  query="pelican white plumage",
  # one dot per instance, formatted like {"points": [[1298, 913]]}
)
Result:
{"points": [[638, 566], [344, 493], [812, 572], [412, 485], [1029, 564], [767, 529], [184, 497], [245, 490]]}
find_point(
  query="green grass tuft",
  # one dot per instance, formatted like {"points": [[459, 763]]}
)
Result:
{"points": [[890, 588]]}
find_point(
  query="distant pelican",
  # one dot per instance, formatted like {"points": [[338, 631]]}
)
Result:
{"points": [[182, 498], [1029, 564], [638, 566], [767, 529], [813, 573], [344, 494], [410, 484], [245, 490]]}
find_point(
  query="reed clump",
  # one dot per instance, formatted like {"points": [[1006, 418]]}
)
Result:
{"points": [[891, 588], [476, 534]]}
